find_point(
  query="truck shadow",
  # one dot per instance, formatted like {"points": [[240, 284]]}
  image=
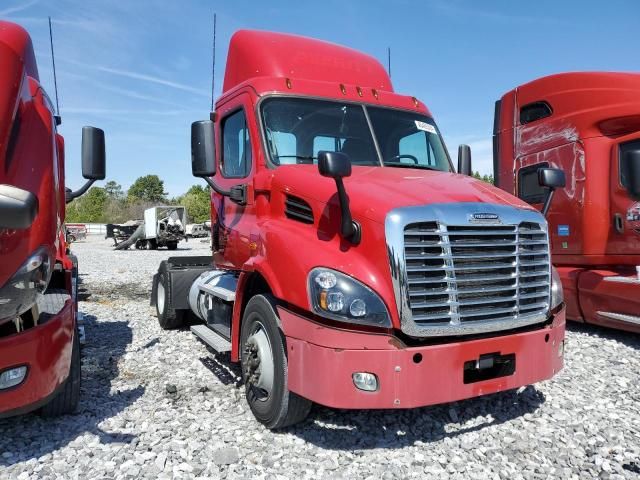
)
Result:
{"points": [[367, 429], [627, 338], [106, 343]]}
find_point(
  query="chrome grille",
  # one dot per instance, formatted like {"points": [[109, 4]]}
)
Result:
{"points": [[462, 278]]}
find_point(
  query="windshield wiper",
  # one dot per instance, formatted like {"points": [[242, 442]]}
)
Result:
{"points": [[298, 157], [410, 165]]}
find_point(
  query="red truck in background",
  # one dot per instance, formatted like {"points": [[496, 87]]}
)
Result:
{"points": [[587, 124], [352, 266], [39, 346]]}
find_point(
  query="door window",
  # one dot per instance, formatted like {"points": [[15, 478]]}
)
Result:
{"points": [[236, 146]]}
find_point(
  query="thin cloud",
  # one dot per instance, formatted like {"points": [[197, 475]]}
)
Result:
{"points": [[151, 79], [17, 8]]}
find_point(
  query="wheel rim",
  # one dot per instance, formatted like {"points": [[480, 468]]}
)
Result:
{"points": [[258, 363], [160, 297]]}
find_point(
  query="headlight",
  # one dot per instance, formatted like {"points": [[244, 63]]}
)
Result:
{"points": [[557, 295], [20, 292], [339, 297]]}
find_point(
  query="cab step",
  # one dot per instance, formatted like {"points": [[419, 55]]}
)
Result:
{"points": [[211, 338]]}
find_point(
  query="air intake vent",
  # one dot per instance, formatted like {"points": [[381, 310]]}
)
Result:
{"points": [[296, 208]]}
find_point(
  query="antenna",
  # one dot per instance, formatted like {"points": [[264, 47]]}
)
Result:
{"points": [[213, 64], [389, 61], [55, 79]]}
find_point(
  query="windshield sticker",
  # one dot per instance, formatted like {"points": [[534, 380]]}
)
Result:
{"points": [[425, 127]]}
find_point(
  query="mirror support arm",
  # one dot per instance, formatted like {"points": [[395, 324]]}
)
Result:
{"points": [[349, 228], [547, 201], [215, 188], [70, 195]]}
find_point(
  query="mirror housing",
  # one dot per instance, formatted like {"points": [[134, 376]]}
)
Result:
{"points": [[550, 178], [337, 165], [18, 207], [93, 160], [631, 161], [464, 160], [93, 153], [334, 164], [203, 149]]}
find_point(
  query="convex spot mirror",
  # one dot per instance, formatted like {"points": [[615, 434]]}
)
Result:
{"points": [[93, 153], [551, 178], [18, 208], [464, 160], [203, 149], [334, 164]]}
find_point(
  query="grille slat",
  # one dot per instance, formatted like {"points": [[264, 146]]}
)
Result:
{"points": [[468, 274]]}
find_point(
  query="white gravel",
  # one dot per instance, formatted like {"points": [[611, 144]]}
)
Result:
{"points": [[585, 423]]}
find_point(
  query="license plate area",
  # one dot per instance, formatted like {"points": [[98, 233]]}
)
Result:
{"points": [[489, 366]]}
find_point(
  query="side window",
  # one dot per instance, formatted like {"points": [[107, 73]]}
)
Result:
{"points": [[624, 169], [534, 111], [414, 145], [330, 144], [529, 189], [236, 146]]}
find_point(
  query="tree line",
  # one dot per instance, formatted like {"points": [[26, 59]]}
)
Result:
{"points": [[111, 204]]}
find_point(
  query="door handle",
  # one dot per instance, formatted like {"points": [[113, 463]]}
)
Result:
{"points": [[618, 223]]}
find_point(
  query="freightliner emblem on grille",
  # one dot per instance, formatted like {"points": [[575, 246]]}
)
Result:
{"points": [[484, 218]]}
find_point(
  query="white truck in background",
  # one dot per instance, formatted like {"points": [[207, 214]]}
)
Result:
{"points": [[196, 230]]}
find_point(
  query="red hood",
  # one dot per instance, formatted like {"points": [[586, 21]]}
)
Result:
{"points": [[374, 191]]}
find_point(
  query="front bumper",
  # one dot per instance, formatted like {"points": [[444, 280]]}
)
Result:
{"points": [[322, 361], [46, 351]]}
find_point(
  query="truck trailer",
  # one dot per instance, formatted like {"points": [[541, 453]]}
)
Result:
{"points": [[352, 267], [39, 340], [588, 124]]}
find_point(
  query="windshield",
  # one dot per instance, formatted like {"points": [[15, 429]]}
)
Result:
{"points": [[296, 129]]}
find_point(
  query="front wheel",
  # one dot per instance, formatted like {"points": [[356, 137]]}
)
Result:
{"points": [[168, 317], [264, 367]]}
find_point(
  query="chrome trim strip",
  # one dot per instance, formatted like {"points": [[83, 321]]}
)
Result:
{"points": [[622, 280], [620, 317], [456, 214]]}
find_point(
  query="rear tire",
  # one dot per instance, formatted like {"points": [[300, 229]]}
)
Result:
{"points": [[168, 317], [67, 399], [264, 367], [172, 245]]}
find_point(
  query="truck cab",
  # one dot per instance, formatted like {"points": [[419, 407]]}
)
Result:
{"points": [[351, 265], [39, 340], [587, 124]]}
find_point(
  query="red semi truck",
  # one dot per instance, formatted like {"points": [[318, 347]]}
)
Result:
{"points": [[39, 346], [587, 124], [352, 267]]}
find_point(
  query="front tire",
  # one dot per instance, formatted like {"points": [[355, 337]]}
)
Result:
{"points": [[168, 317], [264, 367]]}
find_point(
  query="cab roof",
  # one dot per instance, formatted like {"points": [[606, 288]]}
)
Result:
{"points": [[254, 54]]}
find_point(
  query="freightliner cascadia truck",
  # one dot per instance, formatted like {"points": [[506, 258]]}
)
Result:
{"points": [[352, 267], [39, 345], [587, 124]]}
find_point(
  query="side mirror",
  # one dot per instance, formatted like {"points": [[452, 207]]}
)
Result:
{"points": [[337, 165], [18, 208], [334, 164], [203, 149], [631, 163], [464, 160], [550, 178], [93, 160], [93, 153]]}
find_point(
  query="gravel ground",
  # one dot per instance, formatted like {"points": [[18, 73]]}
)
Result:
{"points": [[585, 423]]}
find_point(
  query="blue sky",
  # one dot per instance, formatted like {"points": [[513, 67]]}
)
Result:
{"points": [[141, 69]]}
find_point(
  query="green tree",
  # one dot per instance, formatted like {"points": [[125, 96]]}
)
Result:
{"points": [[484, 178], [197, 201], [148, 188], [90, 208], [113, 189]]}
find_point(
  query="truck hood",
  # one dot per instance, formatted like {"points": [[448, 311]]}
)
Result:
{"points": [[374, 191]]}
